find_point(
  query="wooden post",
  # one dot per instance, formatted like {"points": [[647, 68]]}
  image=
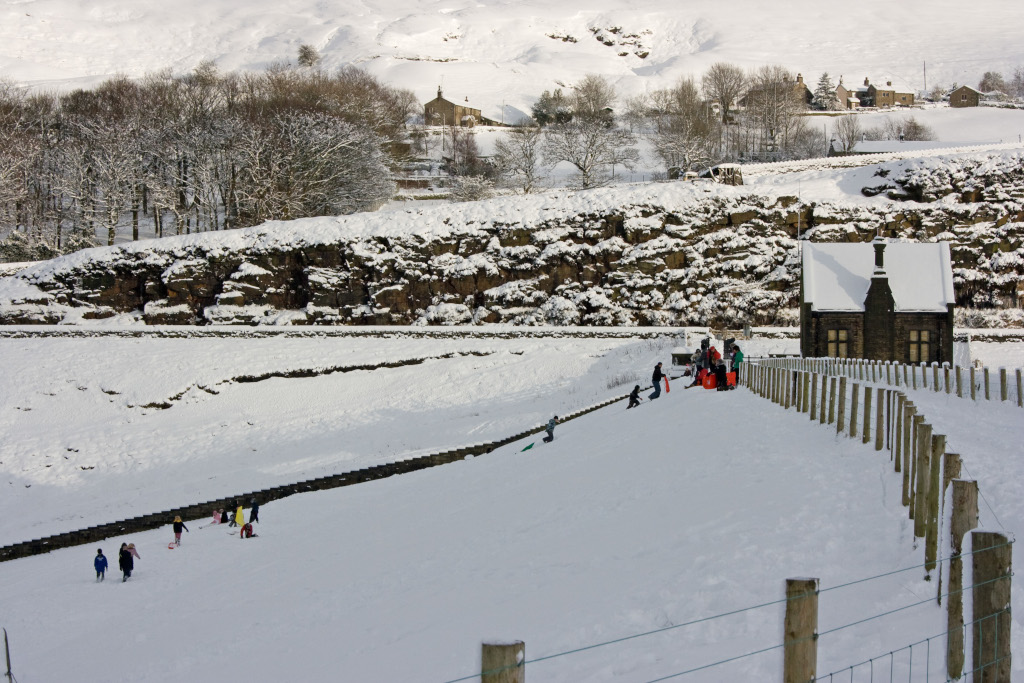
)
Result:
{"points": [[897, 434], [935, 377], [950, 470], [814, 396], [841, 417], [988, 384], [921, 479], [854, 408], [906, 382], [907, 438], [503, 663], [959, 382], [974, 385], [883, 395], [946, 378], [832, 400], [1020, 390], [993, 567], [866, 431], [805, 395], [800, 658], [931, 534], [913, 376], [1004, 394], [965, 518], [888, 373], [821, 401]]}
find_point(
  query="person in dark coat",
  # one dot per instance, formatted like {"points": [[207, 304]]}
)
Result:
{"points": [[656, 381], [100, 563], [550, 429], [125, 562], [178, 526], [233, 519], [721, 381], [634, 397], [254, 512]]}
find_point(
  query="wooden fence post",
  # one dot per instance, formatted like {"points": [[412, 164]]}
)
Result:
{"points": [[866, 431], [805, 395], [947, 379], [888, 373], [959, 382], [1003, 388], [988, 384], [1020, 390], [841, 417], [993, 567], [931, 534], [965, 518], [503, 663], [854, 408], [974, 385], [906, 382], [910, 456], [897, 434], [883, 400], [814, 396], [935, 377], [832, 400], [921, 479], [913, 376], [800, 658]]}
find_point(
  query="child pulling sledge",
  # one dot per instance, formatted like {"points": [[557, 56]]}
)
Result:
{"points": [[178, 526]]}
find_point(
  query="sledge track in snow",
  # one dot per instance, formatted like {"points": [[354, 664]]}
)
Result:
{"points": [[204, 510]]}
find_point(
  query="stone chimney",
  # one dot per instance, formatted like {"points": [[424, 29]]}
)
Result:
{"points": [[799, 78], [439, 96], [879, 310], [866, 83]]}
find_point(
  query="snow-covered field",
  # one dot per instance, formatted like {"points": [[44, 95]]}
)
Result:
{"points": [[694, 505]]}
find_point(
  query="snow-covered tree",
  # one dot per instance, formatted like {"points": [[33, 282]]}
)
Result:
{"points": [[992, 81], [825, 94], [847, 131], [517, 158], [724, 83], [685, 130]]}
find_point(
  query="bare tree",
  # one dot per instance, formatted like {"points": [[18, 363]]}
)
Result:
{"points": [[593, 98], [992, 81], [517, 158], [773, 103], [593, 147], [685, 131], [847, 131], [309, 56], [724, 83]]}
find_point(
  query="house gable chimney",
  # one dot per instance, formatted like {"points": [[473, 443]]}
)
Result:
{"points": [[866, 83], [879, 310], [439, 95]]}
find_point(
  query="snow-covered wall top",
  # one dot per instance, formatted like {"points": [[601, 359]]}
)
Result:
{"points": [[837, 276]]}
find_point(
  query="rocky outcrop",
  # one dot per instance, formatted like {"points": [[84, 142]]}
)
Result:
{"points": [[721, 258]]}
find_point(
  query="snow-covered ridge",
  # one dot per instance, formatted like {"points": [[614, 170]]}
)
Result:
{"points": [[666, 254]]}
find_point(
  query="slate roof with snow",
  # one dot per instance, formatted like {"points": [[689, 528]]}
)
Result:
{"points": [[837, 276]]}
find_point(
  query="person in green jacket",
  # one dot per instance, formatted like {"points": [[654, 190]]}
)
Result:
{"points": [[737, 360]]}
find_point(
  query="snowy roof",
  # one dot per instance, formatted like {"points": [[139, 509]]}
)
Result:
{"points": [[967, 87], [837, 276]]}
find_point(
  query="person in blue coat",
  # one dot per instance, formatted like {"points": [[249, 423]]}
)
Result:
{"points": [[550, 429], [100, 563]]}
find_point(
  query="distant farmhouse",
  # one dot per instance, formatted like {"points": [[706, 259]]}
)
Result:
{"points": [[801, 93], [870, 95], [965, 96], [441, 112], [879, 301]]}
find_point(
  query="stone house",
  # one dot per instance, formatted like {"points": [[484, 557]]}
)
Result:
{"points": [[441, 112], [852, 97], [880, 301], [889, 95], [965, 96]]}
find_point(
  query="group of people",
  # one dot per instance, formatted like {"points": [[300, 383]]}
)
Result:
{"points": [[125, 561], [128, 554], [705, 360]]}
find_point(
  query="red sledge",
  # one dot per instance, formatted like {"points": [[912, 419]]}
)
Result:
{"points": [[711, 382]]}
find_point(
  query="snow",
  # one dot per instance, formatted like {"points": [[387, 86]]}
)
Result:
{"points": [[694, 505], [837, 276], [502, 54]]}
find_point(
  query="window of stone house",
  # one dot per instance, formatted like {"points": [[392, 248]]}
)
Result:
{"points": [[963, 97], [838, 343], [920, 346]]}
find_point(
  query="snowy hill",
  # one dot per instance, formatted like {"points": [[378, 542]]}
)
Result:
{"points": [[502, 54], [691, 506]]}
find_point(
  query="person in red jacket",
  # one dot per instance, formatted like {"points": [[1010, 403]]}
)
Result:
{"points": [[246, 531]]}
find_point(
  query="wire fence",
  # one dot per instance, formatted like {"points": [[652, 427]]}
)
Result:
{"points": [[704, 620]]}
